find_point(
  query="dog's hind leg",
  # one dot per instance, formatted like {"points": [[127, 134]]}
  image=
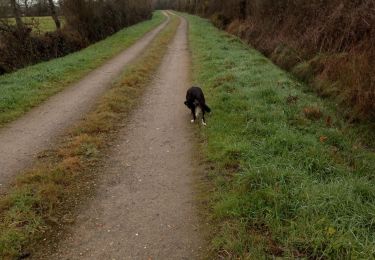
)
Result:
{"points": [[203, 119]]}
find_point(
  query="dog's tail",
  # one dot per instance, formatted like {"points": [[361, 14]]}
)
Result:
{"points": [[206, 108]]}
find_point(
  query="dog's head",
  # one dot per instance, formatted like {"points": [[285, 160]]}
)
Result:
{"points": [[191, 105], [188, 104]]}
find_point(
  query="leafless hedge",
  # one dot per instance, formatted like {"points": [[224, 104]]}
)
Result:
{"points": [[87, 21]]}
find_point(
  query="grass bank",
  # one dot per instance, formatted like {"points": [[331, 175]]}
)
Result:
{"points": [[289, 177], [26, 88], [43, 199]]}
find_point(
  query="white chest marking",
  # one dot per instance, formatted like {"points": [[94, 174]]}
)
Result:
{"points": [[198, 111]]}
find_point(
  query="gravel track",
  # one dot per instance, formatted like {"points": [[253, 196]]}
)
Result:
{"points": [[145, 205], [23, 139]]}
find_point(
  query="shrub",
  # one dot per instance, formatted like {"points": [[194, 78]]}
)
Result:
{"points": [[85, 22]]}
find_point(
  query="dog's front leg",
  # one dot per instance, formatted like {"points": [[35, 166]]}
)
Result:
{"points": [[194, 116]]}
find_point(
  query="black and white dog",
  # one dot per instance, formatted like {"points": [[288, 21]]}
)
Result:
{"points": [[196, 103]]}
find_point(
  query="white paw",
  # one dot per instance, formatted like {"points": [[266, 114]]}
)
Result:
{"points": [[204, 123], [192, 121]]}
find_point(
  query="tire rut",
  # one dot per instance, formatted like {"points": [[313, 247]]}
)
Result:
{"points": [[23, 139], [145, 207]]}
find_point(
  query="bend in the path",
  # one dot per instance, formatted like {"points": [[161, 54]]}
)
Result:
{"points": [[145, 207], [23, 139]]}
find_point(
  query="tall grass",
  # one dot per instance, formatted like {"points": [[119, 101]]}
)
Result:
{"points": [[290, 178], [24, 89]]}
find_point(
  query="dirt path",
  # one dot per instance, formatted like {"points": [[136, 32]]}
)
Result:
{"points": [[23, 139], [145, 205]]}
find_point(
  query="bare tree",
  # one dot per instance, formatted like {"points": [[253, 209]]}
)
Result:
{"points": [[54, 14], [26, 6], [16, 13], [4, 7]]}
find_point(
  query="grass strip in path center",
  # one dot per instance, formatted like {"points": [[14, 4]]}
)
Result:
{"points": [[43, 199]]}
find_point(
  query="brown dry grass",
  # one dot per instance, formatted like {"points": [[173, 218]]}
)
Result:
{"points": [[43, 199], [326, 44], [312, 113]]}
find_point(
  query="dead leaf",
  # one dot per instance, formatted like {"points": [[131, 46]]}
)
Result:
{"points": [[323, 139]]}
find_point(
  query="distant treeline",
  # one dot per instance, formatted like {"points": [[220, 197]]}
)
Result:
{"points": [[86, 21], [328, 43], [28, 8]]}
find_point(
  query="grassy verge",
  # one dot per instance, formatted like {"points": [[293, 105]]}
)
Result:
{"points": [[290, 178], [43, 199], [26, 88]]}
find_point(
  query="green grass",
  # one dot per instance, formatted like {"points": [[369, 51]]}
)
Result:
{"points": [[44, 199], [290, 178], [24, 89], [43, 23]]}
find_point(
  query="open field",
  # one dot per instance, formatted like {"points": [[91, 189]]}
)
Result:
{"points": [[289, 177], [43, 23], [44, 198], [28, 87]]}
